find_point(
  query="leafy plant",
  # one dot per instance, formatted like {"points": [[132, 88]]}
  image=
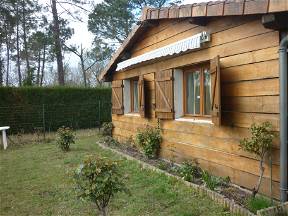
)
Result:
{"points": [[107, 128], [98, 180], [149, 140], [110, 141], [212, 182], [65, 137], [189, 171], [257, 203], [163, 165], [259, 144]]}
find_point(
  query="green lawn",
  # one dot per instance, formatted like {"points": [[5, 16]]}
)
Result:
{"points": [[36, 179]]}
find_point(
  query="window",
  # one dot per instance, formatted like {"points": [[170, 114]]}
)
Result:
{"points": [[134, 96], [197, 91]]}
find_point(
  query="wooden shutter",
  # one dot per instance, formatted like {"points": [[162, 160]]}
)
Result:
{"points": [[141, 95], [117, 97], [164, 94], [215, 91]]}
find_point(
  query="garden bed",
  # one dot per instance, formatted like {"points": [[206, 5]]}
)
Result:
{"points": [[239, 198]]}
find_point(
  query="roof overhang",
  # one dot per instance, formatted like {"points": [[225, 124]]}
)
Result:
{"points": [[200, 12]]}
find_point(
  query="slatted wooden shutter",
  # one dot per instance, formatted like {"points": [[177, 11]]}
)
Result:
{"points": [[164, 94], [215, 91], [141, 95], [117, 97]]}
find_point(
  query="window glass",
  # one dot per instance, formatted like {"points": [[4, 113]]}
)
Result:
{"points": [[207, 92], [135, 95], [193, 93]]}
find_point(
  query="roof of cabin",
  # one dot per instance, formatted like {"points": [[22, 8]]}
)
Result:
{"points": [[199, 10]]}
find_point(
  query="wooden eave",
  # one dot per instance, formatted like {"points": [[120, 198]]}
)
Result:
{"points": [[197, 11], [120, 53]]}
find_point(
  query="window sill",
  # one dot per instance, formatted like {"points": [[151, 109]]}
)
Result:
{"points": [[132, 114], [195, 120]]}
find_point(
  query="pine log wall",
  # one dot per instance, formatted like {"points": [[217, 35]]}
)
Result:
{"points": [[250, 93]]}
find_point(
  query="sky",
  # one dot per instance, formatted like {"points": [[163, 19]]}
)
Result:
{"points": [[81, 34]]}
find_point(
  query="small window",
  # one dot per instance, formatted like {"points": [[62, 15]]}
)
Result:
{"points": [[134, 96], [197, 91]]}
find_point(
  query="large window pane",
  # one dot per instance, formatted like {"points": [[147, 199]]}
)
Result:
{"points": [[135, 94], [193, 93], [207, 92]]}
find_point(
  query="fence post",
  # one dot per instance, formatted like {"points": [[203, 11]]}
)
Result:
{"points": [[43, 121]]}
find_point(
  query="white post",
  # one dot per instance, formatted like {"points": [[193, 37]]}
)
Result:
{"points": [[4, 139]]}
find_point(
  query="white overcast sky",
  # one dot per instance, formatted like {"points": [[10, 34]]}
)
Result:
{"points": [[81, 34]]}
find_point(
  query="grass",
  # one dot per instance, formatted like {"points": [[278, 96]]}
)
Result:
{"points": [[257, 203], [36, 179]]}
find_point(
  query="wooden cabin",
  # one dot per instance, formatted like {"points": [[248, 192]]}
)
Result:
{"points": [[203, 73]]}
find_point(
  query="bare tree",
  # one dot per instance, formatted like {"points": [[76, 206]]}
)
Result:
{"points": [[83, 56]]}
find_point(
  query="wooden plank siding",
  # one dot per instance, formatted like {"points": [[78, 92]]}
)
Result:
{"points": [[250, 93]]}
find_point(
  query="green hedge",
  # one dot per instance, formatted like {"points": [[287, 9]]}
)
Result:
{"points": [[30, 108]]}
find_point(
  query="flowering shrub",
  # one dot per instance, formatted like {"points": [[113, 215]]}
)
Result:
{"points": [[98, 180], [149, 140], [65, 137], [107, 128]]}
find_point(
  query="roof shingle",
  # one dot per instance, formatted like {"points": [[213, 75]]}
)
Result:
{"points": [[218, 8]]}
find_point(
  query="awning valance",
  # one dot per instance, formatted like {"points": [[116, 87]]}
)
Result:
{"points": [[190, 43]]}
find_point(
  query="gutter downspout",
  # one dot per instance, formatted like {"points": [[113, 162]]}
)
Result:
{"points": [[283, 118]]}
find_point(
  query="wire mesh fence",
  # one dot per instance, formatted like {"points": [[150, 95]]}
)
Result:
{"points": [[49, 117]]}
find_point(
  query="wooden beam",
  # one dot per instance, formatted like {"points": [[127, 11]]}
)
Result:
{"points": [[200, 21], [148, 23], [126, 55], [275, 21]]}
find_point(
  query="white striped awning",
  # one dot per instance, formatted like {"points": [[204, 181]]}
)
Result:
{"points": [[190, 43]]}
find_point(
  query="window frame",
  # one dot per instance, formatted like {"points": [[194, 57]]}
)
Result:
{"points": [[132, 95], [192, 69]]}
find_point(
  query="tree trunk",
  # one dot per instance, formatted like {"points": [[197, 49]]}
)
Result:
{"points": [[83, 70], [43, 64], [1, 63], [83, 66], [57, 43], [1, 71], [104, 211], [18, 47], [38, 68], [29, 72], [7, 55], [257, 187]]}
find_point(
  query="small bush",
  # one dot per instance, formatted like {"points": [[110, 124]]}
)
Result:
{"points": [[163, 165], [257, 203], [107, 128], [212, 182], [260, 144], [110, 141], [189, 171], [65, 137], [149, 140], [98, 180]]}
